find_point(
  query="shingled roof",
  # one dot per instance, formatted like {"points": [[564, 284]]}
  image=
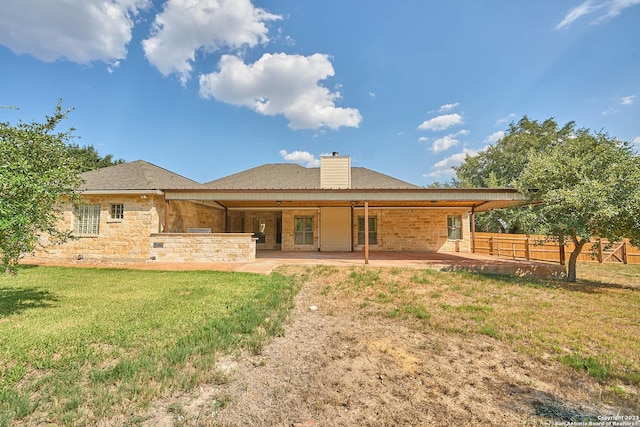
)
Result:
{"points": [[286, 176], [137, 175]]}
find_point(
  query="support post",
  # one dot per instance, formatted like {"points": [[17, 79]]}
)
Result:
{"points": [[625, 257], [166, 216], [527, 249], [366, 232], [563, 254], [473, 230]]}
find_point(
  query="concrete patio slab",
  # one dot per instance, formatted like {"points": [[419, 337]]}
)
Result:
{"points": [[268, 260]]}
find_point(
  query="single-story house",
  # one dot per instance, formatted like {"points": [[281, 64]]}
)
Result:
{"points": [[139, 211]]}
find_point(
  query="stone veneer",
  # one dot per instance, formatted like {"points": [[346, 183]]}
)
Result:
{"points": [[408, 230], [288, 229], [132, 237], [129, 238], [415, 230], [184, 215], [203, 247], [126, 238]]}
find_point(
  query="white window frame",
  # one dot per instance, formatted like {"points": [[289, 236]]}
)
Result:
{"points": [[87, 220], [303, 234], [116, 210], [454, 227]]}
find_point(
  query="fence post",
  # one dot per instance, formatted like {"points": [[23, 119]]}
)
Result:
{"points": [[527, 249], [625, 258], [491, 246], [513, 250], [563, 255]]}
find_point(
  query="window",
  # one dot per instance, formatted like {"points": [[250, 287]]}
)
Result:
{"points": [[454, 227], [117, 211], [303, 230], [373, 230], [87, 220]]}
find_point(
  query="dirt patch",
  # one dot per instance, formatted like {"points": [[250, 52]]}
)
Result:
{"points": [[338, 366]]}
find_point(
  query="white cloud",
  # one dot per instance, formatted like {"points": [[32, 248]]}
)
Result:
{"points": [[447, 107], [636, 140], [445, 166], [494, 137], [423, 139], [447, 141], [185, 27], [627, 100], [608, 8], [281, 84], [301, 157], [444, 143], [79, 31], [583, 9], [441, 122]]}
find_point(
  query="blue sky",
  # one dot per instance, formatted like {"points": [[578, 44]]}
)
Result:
{"points": [[207, 88]]}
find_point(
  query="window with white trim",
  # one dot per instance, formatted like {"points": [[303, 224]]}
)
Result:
{"points": [[454, 227], [303, 230], [117, 211], [87, 220]]}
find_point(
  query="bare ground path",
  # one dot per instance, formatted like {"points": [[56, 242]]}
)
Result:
{"points": [[335, 366]]}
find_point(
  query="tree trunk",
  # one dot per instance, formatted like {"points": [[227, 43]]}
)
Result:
{"points": [[573, 258]]}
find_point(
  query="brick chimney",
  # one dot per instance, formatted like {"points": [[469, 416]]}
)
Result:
{"points": [[335, 171]]}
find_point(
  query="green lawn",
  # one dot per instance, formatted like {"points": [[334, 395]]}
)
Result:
{"points": [[77, 345]]}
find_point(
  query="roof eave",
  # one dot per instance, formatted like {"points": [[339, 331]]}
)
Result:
{"points": [[90, 192]]}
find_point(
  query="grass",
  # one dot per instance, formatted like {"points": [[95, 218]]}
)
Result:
{"points": [[609, 273], [78, 345], [591, 326]]}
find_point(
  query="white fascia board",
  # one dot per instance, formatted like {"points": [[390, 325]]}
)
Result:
{"points": [[346, 195]]}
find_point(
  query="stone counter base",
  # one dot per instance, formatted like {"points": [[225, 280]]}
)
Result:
{"points": [[203, 247]]}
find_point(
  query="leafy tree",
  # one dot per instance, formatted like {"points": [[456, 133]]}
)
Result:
{"points": [[588, 185], [90, 159], [501, 164], [37, 172]]}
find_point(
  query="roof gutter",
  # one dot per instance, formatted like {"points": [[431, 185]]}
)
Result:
{"points": [[121, 192]]}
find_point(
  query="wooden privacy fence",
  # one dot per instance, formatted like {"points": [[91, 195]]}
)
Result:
{"points": [[533, 247]]}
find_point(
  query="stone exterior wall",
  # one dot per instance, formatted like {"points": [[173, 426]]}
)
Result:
{"points": [[288, 229], [185, 214], [210, 247], [126, 238], [129, 238], [415, 230]]}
